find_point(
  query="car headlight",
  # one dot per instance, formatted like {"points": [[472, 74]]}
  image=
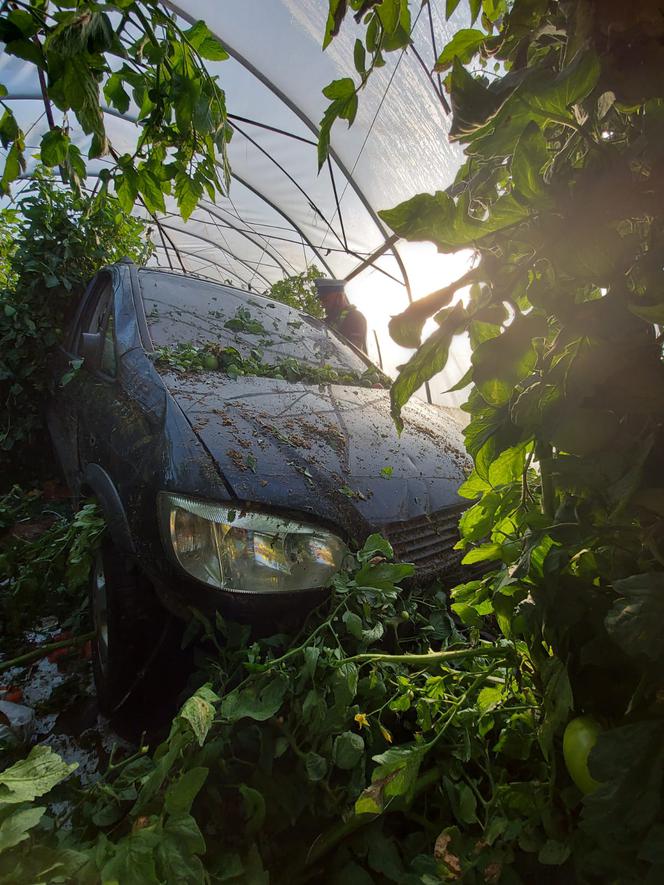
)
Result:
{"points": [[247, 551]]}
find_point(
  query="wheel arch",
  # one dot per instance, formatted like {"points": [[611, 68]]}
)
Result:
{"points": [[100, 484]]}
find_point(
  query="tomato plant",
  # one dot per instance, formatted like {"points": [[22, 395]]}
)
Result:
{"points": [[560, 109], [181, 108], [53, 243], [47, 572], [364, 747], [213, 357], [299, 291]]}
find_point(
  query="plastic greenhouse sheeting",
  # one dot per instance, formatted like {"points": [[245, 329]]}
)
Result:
{"points": [[281, 214]]}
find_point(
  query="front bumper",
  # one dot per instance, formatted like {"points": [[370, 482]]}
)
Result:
{"points": [[180, 596]]}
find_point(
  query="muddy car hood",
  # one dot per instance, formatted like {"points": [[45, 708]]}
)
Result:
{"points": [[320, 449]]}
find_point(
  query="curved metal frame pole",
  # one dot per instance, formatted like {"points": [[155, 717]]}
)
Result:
{"points": [[250, 187], [299, 187], [196, 236], [254, 190], [308, 123], [271, 251], [199, 257], [281, 212]]}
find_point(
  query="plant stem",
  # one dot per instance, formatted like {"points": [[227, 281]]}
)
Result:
{"points": [[299, 648], [43, 650], [449, 716], [48, 110], [544, 455], [434, 658]]}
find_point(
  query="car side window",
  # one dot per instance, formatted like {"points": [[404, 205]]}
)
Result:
{"points": [[108, 361]]}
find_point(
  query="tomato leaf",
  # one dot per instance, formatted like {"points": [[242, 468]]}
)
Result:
{"points": [[635, 616], [463, 45], [426, 362]]}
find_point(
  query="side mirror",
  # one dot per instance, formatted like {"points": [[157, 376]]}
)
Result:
{"points": [[92, 344]]}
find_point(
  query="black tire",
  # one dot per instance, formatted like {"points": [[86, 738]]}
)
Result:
{"points": [[130, 626]]}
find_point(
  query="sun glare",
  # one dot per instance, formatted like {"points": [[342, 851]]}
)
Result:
{"points": [[379, 299]]}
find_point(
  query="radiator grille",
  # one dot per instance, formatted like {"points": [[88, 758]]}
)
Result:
{"points": [[428, 543]]}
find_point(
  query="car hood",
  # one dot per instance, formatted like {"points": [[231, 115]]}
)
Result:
{"points": [[328, 450]]}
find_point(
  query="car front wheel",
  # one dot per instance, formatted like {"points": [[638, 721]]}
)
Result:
{"points": [[129, 626]]}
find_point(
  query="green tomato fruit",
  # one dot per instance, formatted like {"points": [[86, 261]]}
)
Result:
{"points": [[210, 362], [578, 740]]}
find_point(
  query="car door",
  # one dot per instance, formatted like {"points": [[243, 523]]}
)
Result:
{"points": [[90, 400], [94, 390], [74, 385], [117, 429]]}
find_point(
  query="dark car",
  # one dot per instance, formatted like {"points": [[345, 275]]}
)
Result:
{"points": [[241, 486]]}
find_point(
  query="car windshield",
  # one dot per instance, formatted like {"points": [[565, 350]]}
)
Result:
{"points": [[185, 310]]}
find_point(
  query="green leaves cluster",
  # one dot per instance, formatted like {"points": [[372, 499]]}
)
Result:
{"points": [[20, 785], [299, 291], [213, 357], [45, 558], [52, 244], [154, 849], [317, 752], [560, 109], [388, 26], [135, 55]]}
